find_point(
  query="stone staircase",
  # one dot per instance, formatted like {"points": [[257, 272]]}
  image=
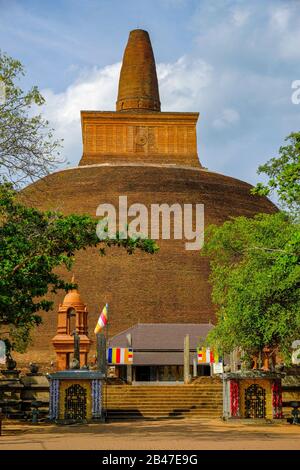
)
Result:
{"points": [[163, 401]]}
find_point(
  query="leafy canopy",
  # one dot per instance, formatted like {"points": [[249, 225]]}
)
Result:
{"points": [[28, 149], [284, 175], [255, 273], [255, 266]]}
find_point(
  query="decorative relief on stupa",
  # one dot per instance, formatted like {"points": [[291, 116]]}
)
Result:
{"points": [[129, 139]]}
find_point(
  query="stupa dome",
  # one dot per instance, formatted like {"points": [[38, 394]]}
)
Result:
{"points": [[73, 298]]}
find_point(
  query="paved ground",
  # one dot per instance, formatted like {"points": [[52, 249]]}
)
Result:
{"points": [[171, 434]]}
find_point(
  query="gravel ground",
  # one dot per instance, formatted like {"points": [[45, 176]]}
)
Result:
{"points": [[152, 435]]}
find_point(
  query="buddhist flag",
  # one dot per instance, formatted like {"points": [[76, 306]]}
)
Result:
{"points": [[206, 356], [200, 355], [209, 356], [120, 355], [102, 321]]}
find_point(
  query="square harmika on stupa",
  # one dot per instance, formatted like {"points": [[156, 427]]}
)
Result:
{"points": [[151, 157]]}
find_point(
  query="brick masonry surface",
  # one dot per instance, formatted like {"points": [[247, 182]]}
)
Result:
{"points": [[171, 286]]}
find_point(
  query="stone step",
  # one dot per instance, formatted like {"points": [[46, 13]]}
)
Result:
{"points": [[182, 394], [164, 387], [163, 406], [163, 397], [168, 391], [117, 417], [179, 401], [166, 397], [169, 413], [185, 388], [165, 403], [160, 404]]}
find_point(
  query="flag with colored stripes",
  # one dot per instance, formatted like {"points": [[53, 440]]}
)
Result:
{"points": [[200, 355], [120, 355], [102, 320], [207, 356], [204, 355]]}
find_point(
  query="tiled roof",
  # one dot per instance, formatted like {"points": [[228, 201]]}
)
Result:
{"points": [[161, 336]]}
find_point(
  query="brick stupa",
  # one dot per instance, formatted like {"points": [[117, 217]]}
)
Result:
{"points": [[151, 157]]}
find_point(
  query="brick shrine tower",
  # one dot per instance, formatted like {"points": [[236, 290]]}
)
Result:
{"points": [[63, 341]]}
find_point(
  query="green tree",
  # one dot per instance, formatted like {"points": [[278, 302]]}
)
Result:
{"points": [[255, 266], [255, 273], [284, 175], [28, 149], [32, 245]]}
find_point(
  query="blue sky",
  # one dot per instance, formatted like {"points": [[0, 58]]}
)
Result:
{"points": [[232, 60]]}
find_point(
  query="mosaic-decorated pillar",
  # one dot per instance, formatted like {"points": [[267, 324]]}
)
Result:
{"points": [[96, 399], [54, 399]]}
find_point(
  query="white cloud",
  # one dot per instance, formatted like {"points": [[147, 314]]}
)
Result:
{"points": [[289, 45], [284, 30], [240, 16], [280, 18], [181, 83], [227, 118], [94, 90]]}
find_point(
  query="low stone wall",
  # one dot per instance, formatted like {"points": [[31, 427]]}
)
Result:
{"points": [[20, 394]]}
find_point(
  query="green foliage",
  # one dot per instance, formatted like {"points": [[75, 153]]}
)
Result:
{"points": [[19, 337], [27, 147], [255, 273], [32, 245], [284, 175], [255, 266]]}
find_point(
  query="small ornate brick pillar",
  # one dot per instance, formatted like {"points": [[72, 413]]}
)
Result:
{"points": [[63, 341]]}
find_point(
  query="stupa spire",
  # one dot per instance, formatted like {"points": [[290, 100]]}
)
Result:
{"points": [[138, 85]]}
